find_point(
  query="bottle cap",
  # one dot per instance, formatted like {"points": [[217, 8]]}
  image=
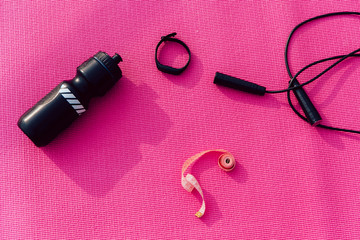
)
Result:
{"points": [[101, 71]]}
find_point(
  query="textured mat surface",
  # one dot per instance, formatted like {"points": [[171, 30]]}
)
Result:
{"points": [[115, 173]]}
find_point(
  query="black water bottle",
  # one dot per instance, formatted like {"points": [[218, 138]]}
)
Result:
{"points": [[67, 101]]}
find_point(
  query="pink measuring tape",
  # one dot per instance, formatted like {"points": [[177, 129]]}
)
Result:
{"points": [[226, 162]]}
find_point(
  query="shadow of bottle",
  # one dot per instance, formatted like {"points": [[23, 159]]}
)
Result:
{"points": [[103, 144]]}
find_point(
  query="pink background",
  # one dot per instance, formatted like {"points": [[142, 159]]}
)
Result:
{"points": [[115, 173]]}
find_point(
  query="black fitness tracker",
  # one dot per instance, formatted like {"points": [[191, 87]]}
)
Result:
{"points": [[169, 69]]}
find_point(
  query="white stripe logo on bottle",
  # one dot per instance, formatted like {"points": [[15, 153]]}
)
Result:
{"points": [[72, 100]]}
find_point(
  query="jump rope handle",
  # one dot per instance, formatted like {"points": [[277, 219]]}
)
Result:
{"points": [[309, 109], [307, 106]]}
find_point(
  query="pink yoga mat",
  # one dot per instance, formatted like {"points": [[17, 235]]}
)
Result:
{"points": [[115, 173]]}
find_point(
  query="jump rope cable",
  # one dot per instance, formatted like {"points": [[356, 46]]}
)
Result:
{"points": [[292, 78]]}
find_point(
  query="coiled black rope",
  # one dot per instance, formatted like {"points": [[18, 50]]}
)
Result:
{"points": [[292, 78]]}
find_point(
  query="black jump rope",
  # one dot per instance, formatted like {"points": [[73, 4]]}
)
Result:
{"points": [[311, 114], [66, 102]]}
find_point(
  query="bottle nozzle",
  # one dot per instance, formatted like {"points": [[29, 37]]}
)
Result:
{"points": [[117, 58]]}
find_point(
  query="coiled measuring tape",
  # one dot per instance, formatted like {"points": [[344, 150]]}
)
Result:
{"points": [[226, 162]]}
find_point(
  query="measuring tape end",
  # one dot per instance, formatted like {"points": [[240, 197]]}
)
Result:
{"points": [[199, 214]]}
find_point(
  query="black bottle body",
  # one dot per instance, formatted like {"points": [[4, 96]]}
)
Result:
{"points": [[51, 115], [68, 100]]}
